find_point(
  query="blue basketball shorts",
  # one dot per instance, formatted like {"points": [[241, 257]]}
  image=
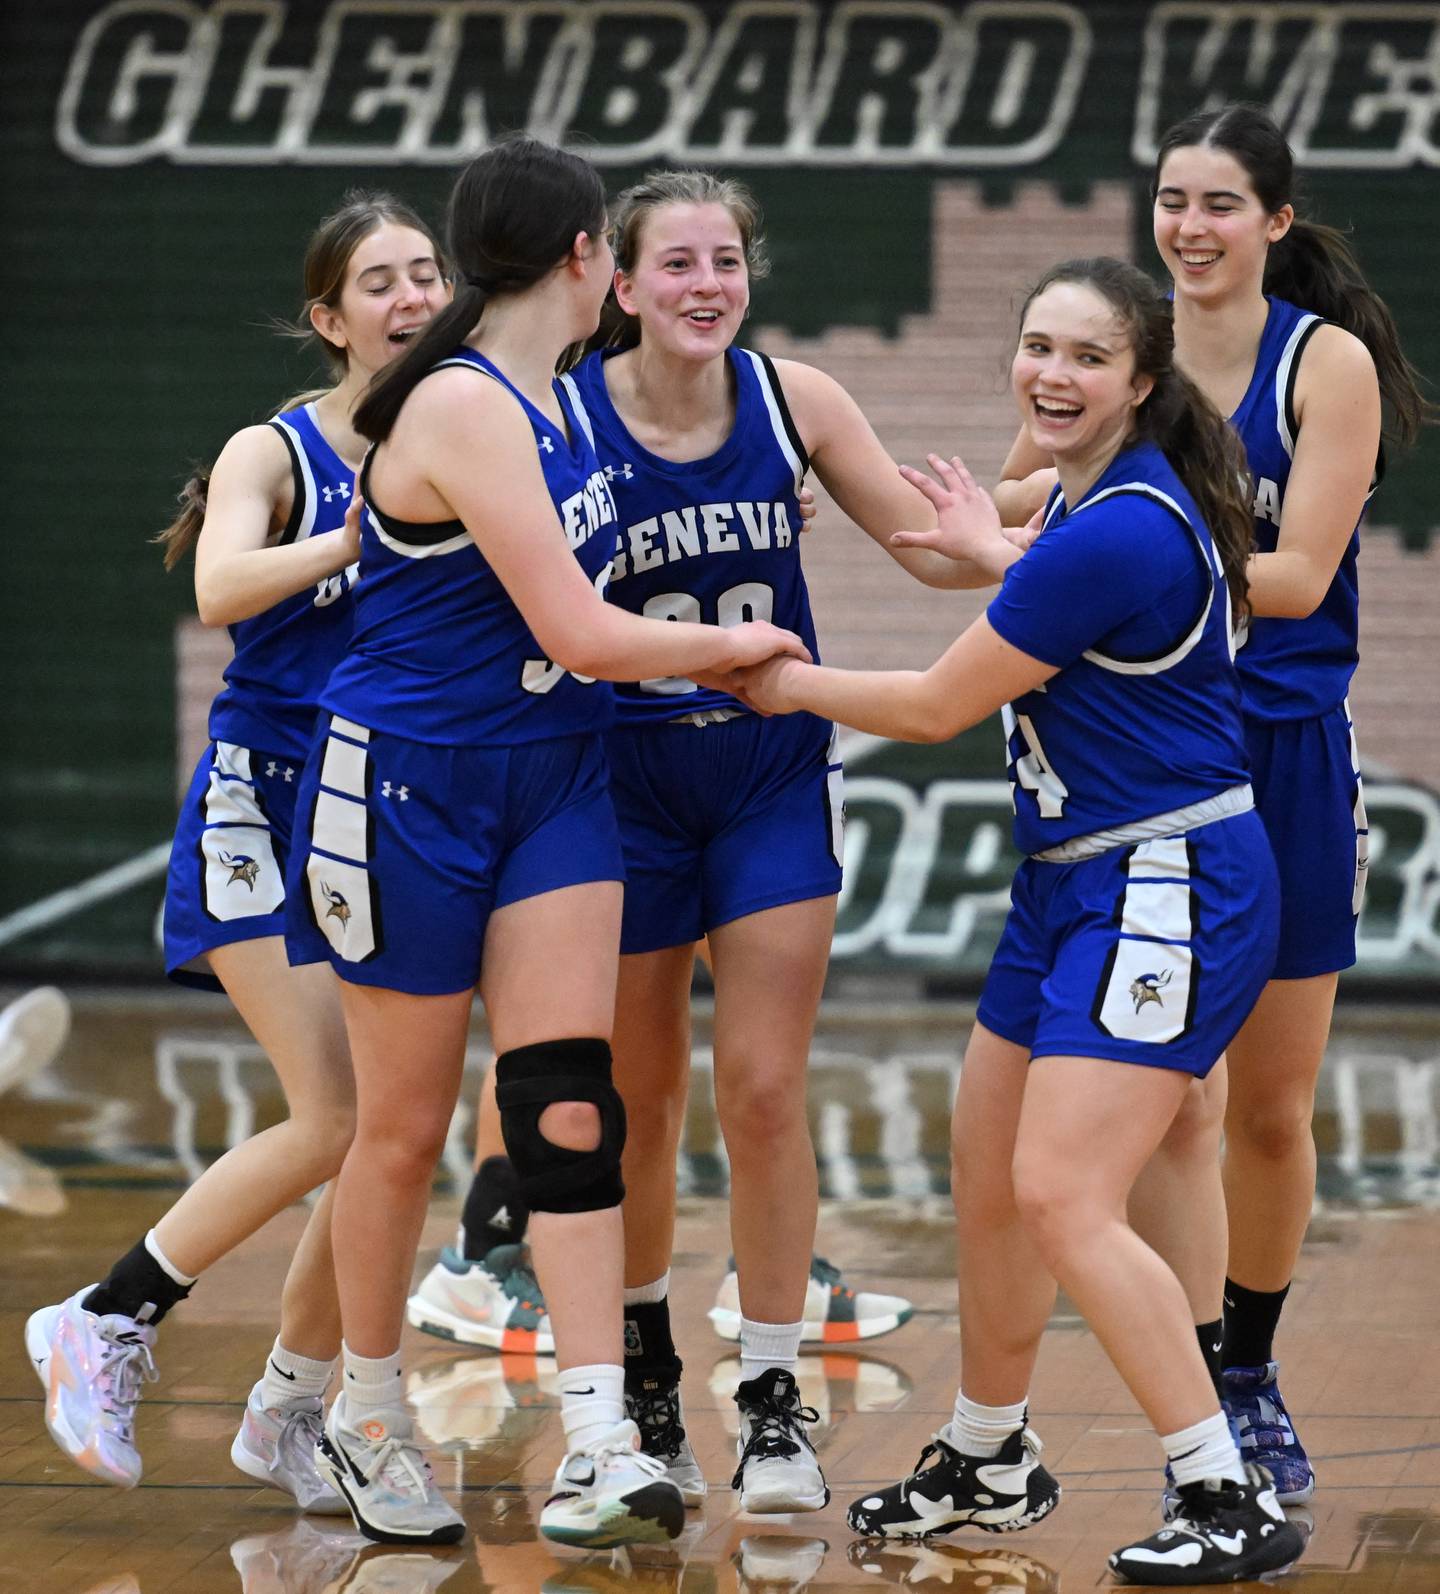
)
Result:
{"points": [[1306, 775], [404, 849], [1152, 954], [719, 821], [226, 880]]}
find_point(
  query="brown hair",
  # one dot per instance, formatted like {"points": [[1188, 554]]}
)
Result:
{"points": [[1313, 266], [327, 259], [634, 209], [1203, 449], [513, 216]]}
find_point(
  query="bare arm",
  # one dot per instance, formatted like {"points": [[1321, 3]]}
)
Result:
{"points": [[1337, 403], [238, 573], [978, 673], [473, 448], [1026, 478], [867, 484]]}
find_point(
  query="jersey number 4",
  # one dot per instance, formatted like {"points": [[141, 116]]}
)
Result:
{"points": [[1033, 770]]}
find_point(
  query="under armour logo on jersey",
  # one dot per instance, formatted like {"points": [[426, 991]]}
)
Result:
{"points": [[1148, 988], [241, 868], [624, 472], [339, 907], [272, 769], [342, 491], [402, 792], [547, 445]]}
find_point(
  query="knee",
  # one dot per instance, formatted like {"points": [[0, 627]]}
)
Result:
{"points": [[401, 1150], [571, 1125], [758, 1112], [1271, 1130], [563, 1123], [1194, 1133], [1048, 1206], [329, 1139]]}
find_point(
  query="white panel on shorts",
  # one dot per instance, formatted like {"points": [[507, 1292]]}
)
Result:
{"points": [[1159, 909], [344, 767], [343, 727], [1165, 859], [1362, 824], [1147, 997], [231, 802], [835, 793], [231, 759], [242, 879], [342, 827], [340, 900]]}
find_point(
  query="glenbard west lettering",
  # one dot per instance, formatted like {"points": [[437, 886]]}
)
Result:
{"points": [[762, 82]]}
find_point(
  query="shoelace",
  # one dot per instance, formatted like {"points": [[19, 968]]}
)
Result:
{"points": [[400, 1463], [826, 1272], [125, 1366], [520, 1281], [657, 1415], [622, 1447], [775, 1433], [299, 1435]]}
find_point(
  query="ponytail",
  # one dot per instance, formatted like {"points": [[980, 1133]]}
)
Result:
{"points": [[389, 388], [1207, 455], [1314, 267], [514, 214]]}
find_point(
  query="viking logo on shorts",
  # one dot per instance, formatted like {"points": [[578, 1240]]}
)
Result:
{"points": [[339, 908], [1148, 988], [241, 867]]}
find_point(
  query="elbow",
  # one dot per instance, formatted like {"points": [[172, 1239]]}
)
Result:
{"points": [[213, 608], [577, 650]]}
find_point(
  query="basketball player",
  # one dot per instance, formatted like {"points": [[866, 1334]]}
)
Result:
{"points": [[274, 562], [731, 823], [1109, 647], [456, 831], [1276, 324]]}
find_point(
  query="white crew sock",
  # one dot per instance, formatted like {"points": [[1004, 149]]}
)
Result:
{"points": [[290, 1377], [1203, 1450], [982, 1430], [371, 1383], [152, 1245], [766, 1345], [649, 1294], [592, 1402]]}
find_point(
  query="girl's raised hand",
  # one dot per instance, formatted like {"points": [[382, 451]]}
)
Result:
{"points": [[968, 518]]}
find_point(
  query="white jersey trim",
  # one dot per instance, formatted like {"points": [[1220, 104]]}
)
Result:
{"points": [[572, 390], [1189, 642], [777, 420], [412, 550], [1282, 380], [307, 475]]}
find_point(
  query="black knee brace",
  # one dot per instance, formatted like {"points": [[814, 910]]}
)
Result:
{"points": [[553, 1178]]}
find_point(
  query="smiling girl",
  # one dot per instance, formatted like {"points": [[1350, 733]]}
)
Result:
{"points": [[1143, 917], [1276, 325], [274, 558]]}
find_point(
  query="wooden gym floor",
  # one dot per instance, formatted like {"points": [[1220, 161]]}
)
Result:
{"points": [[149, 1087]]}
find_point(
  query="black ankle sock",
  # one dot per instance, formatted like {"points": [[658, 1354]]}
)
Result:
{"points": [[648, 1345], [494, 1212], [1211, 1337], [137, 1287], [1251, 1318]]}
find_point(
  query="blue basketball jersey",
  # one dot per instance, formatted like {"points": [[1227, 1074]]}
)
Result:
{"points": [[711, 540], [284, 656], [1290, 669], [440, 652], [1128, 599]]}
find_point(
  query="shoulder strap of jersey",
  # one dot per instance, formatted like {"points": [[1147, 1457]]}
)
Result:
{"points": [[1286, 373], [577, 405], [302, 511], [1204, 547], [782, 423]]}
